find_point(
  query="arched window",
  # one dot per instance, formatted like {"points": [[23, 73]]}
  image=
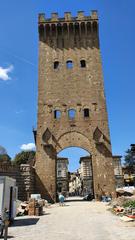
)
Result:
{"points": [[71, 113], [82, 63], [86, 112], [56, 65], [69, 64], [57, 114]]}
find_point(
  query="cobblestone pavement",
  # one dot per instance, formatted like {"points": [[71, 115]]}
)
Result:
{"points": [[74, 221]]}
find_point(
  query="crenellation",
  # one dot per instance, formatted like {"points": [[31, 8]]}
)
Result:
{"points": [[41, 17], [68, 16], [54, 17], [80, 15], [94, 14], [56, 30]]}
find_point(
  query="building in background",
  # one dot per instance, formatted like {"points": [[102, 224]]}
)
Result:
{"points": [[86, 175], [119, 179], [62, 175], [75, 184]]}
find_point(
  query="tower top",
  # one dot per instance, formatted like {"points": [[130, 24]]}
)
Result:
{"points": [[68, 17]]}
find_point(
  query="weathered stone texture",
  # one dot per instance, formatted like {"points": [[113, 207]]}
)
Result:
{"points": [[78, 88], [25, 178]]}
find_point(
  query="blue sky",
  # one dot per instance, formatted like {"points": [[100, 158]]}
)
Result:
{"points": [[19, 59]]}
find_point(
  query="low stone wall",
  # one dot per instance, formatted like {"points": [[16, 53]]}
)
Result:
{"points": [[25, 178]]}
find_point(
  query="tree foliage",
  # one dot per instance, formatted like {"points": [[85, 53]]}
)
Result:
{"points": [[23, 157], [129, 159], [5, 158], [2, 150]]}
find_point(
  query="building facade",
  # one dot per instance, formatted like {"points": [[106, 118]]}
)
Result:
{"points": [[119, 179], [75, 184], [86, 175], [71, 100], [62, 175]]}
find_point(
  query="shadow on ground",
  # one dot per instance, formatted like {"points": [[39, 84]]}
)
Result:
{"points": [[8, 237], [24, 222]]}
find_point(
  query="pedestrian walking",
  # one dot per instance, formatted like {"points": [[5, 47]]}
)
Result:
{"points": [[61, 199], [1, 226]]}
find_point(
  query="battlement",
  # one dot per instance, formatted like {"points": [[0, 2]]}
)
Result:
{"points": [[68, 27], [68, 17]]}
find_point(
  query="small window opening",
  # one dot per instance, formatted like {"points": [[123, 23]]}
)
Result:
{"points": [[56, 65], [71, 113], [59, 165], [83, 63], [57, 114], [69, 64], [86, 112], [59, 173]]}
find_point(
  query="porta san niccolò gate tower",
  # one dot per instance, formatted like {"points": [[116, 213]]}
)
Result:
{"points": [[71, 101]]}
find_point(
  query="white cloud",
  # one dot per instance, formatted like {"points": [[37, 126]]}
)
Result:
{"points": [[19, 111], [28, 147], [4, 73]]}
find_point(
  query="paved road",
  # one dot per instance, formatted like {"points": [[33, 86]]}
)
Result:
{"points": [[75, 221]]}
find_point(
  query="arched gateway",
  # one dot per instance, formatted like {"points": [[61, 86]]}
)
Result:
{"points": [[71, 101]]}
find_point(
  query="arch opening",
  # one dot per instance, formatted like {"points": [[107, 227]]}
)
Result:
{"points": [[82, 63], [69, 64], [71, 113], [57, 114], [74, 173]]}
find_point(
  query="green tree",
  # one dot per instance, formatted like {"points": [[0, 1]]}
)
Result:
{"points": [[5, 158], [23, 157], [129, 159], [2, 150]]}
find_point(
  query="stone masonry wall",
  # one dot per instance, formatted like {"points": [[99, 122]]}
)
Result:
{"points": [[25, 178]]}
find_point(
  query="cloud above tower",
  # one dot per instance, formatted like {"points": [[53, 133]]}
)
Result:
{"points": [[28, 147]]}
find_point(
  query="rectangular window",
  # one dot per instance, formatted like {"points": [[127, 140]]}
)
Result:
{"points": [[59, 173], [86, 112]]}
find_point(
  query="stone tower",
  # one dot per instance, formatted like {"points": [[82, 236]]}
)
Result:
{"points": [[71, 101]]}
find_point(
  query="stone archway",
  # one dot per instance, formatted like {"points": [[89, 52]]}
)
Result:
{"points": [[73, 139], [46, 180], [77, 182]]}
